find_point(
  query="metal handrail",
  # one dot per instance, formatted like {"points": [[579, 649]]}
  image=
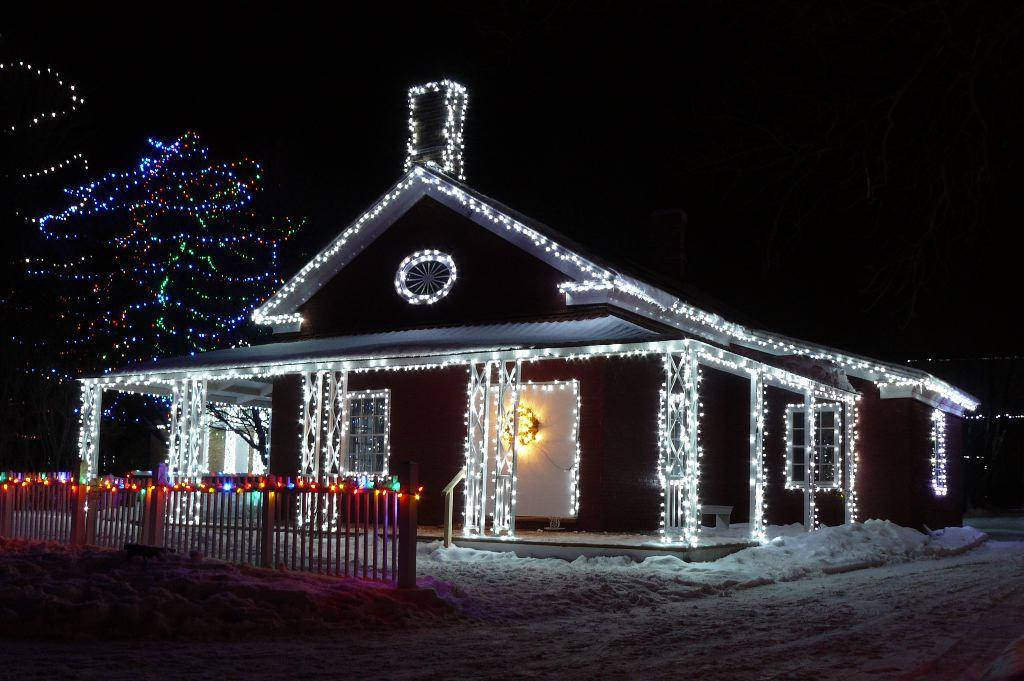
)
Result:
{"points": [[448, 492]]}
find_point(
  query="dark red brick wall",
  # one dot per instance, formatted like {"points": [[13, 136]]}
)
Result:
{"points": [[949, 511], [496, 280], [784, 506], [427, 426], [619, 486], [725, 440], [894, 478], [285, 426]]}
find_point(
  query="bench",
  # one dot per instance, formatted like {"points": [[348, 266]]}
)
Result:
{"points": [[722, 514]]}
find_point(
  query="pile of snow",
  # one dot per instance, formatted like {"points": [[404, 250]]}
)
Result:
{"points": [[787, 557], [845, 548], [70, 592]]}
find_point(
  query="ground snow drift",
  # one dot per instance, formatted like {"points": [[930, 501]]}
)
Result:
{"points": [[66, 592], [784, 558]]}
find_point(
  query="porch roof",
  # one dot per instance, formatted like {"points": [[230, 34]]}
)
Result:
{"points": [[432, 341]]}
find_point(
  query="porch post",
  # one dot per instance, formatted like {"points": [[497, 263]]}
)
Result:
{"points": [[189, 439], [680, 450], [850, 454], [477, 428], [509, 376], [312, 413], [336, 425], [757, 504], [89, 430], [810, 456]]}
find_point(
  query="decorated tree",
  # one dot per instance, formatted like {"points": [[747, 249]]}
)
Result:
{"points": [[165, 259]]}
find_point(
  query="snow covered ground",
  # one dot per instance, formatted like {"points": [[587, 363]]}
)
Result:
{"points": [[862, 601]]}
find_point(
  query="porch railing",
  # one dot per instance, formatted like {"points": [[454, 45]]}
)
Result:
{"points": [[338, 528], [449, 504]]}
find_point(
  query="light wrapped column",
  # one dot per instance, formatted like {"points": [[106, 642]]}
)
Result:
{"points": [[335, 422], [810, 459], [680, 450], [850, 449], [324, 420], [310, 416], [189, 440], [89, 430], [477, 428], [509, 376], [757, 420]]}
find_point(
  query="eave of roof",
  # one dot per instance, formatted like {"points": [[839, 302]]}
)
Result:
{"points": [[434, 340], [589, 274]]}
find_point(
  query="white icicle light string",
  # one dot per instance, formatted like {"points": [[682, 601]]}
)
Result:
{"points": [[596, 278]]}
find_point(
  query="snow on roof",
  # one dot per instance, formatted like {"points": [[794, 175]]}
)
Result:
{"points": [[505, 336], [590, 280]]}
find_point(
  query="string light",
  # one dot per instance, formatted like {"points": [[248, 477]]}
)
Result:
{"points": [[453, 107], [59, 166], [68, 90], [589, 278], [938, 456], [425, 277]]}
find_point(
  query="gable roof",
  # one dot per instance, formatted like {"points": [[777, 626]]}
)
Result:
{"points": [[536, 238], [590, 280]]}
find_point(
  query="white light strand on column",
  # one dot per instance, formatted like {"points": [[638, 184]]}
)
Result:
{"points": [[938, 456], [477, 419], [679, 445], [851, 470], [810, 457], [758, 504], [89, 414]]}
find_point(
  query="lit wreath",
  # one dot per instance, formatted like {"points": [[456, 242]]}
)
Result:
{"points": [[425, 277], [528, 427]]}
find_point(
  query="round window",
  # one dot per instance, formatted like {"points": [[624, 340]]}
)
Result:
{"points": [[425, 277]]}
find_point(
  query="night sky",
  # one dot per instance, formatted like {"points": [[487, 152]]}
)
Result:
{"points": [[850, 173]]}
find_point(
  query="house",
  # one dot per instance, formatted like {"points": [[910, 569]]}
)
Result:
{"points": [[443, 327]]}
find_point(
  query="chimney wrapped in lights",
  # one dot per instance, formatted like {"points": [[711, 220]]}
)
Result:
{"points": [[437, 113]]}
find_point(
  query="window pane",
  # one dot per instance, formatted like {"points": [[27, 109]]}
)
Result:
{"points": [[367, 434], [798, 473]]}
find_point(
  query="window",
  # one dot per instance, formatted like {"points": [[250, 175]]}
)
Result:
{"points": [[827, 441], [369, 426]]}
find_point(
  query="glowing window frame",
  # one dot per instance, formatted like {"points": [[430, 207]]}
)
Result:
{"points": [[836, 481], [385, 435]]}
